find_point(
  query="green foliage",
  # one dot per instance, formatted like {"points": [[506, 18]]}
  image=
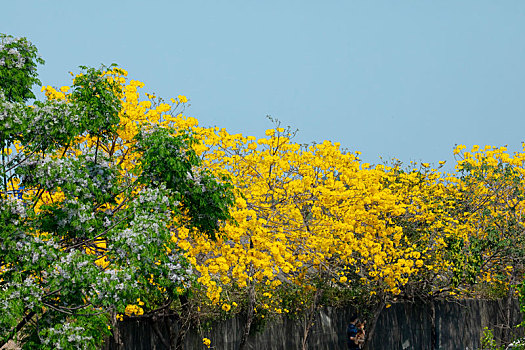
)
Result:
{"points": [[18, 62], [97, 101], [466, 261], [80, 332], [488, 342], [172, 161]]}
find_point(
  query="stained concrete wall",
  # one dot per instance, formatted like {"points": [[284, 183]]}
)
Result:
{"points": [[457, 325]]}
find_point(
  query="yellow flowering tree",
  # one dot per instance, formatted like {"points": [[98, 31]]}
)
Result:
{"points": [[137, 206], [492, 203], [302, 215]]}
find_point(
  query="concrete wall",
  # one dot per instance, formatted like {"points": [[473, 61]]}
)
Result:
{"points": [[457, 325]]}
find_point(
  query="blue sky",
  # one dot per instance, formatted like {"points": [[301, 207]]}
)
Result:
{"points": [[404, 79]]}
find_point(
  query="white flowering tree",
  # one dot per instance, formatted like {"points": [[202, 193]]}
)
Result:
{"points": [[87, 217]]}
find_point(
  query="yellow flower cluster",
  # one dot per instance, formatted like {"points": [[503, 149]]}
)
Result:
{"points": [[53, 94], [298, 208], [206, 342], [134, 310], [304, 211]]}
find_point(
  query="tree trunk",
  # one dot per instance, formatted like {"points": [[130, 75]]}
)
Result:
{"points": [[119, 344], [308, 320], [17, 329], [115, 329], [158, 332], [184, 322], [170, 326], [249, 317], [372, 326], [507, 323], [433, 328]]}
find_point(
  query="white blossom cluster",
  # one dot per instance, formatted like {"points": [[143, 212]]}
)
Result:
{"points": [[52, 116], [147, 231], [176, 272], [10, 57], [12, 114], [70, 334], [155, 195], [197, 176], [128, 238], [113, 284], [148, 224], [60, 172], [15, 205], [194, 175], [32, 249], [44, 122], [28, 291], [108, 286]]}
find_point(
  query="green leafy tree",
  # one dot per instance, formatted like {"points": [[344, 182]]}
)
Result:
{"points": [[84, 238], [18, 63]]}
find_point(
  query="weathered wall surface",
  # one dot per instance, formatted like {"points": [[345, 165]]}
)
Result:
{"points": [[457, 325], [443, 325]]}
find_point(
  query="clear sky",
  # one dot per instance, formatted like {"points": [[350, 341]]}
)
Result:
{"points": [[404, 79]]}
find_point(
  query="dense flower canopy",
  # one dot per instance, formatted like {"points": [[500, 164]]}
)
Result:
{"points": [[115, 204]]}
